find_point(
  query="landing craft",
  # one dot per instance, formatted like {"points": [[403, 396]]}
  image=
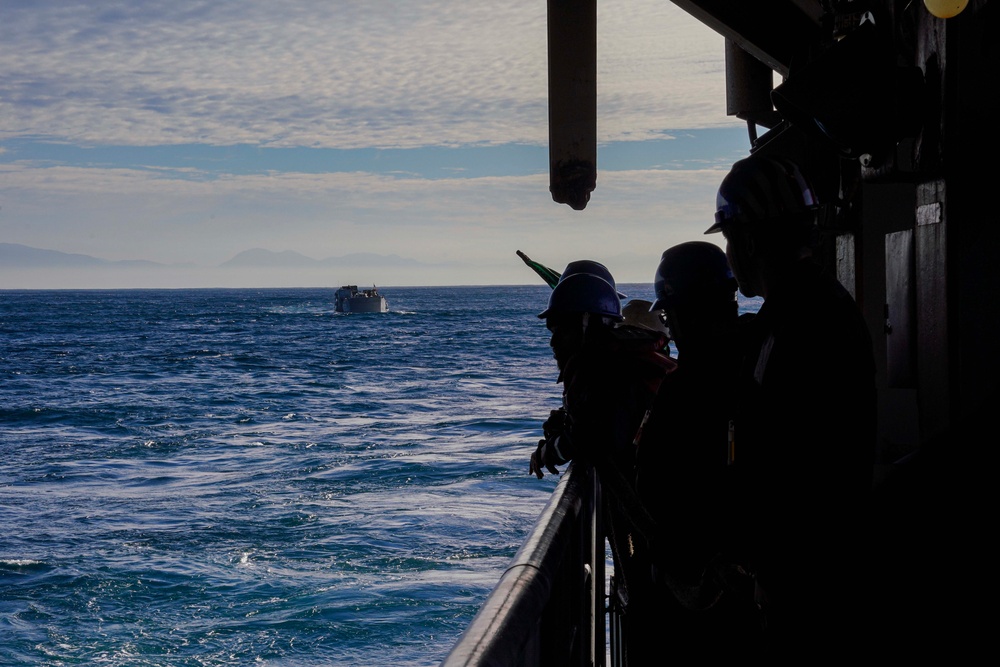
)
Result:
{"points": [[889, 105], [349, 299]]}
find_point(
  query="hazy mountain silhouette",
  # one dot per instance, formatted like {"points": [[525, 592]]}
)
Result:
{"points": [[15, 255], [267, 258], [258, 257]]}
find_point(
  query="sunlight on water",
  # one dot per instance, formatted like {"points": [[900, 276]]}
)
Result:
{"points": [[234, 477]]}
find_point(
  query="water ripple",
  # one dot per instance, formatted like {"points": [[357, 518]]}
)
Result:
{"points": [[217, 477]]}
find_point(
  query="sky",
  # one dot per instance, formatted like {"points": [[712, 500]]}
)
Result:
{"points": [[185, 133]]}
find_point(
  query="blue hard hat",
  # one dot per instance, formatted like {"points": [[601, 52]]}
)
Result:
{"points": [[592, 267], [690, 271], [762, 189], [584, 293], [587, 266]]}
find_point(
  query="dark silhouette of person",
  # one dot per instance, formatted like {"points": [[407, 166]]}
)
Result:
{"points": [[610, 371], [805, 421], [704, 608]]}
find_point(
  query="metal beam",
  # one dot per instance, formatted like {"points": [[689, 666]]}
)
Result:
{"points": [[572, 41], [773, 31]]}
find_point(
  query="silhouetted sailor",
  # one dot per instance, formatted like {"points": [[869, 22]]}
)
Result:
{"points": [[610, 374], [805, 423]]}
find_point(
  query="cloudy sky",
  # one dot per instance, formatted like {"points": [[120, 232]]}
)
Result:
{"points": [[187, 132]]}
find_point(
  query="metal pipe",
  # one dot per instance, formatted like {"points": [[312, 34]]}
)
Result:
{"points": [[572, 46]]}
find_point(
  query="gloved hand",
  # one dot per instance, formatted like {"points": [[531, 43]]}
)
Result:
{"points": [[538, 460], [549, 452], [555, 425]]}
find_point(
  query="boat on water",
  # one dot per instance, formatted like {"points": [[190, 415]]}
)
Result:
{"points": [[349, 299], [889, 104]]}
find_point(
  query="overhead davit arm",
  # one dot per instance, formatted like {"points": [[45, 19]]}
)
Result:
{"points": [[773, 31], [572, 44]]}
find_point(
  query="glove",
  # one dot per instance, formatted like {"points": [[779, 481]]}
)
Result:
{"points": [[538, 460], [548, 454], [555, 425]]}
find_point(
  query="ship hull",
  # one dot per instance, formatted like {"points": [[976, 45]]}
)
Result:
{"points": [[349, 299], [365, 304]]}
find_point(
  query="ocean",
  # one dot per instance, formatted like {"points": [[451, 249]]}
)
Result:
{"points": [[243, 476]]}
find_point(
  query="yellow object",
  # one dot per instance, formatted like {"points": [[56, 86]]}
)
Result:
{"points": [[945, 9]]}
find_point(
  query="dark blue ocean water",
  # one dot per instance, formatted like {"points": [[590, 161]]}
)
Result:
{"points": [[235, 477]]}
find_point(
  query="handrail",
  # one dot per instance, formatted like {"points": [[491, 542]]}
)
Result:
{"points": [[553, 590]]}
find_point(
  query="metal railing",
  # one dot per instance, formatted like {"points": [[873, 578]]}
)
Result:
{"points": [[548, 607]]}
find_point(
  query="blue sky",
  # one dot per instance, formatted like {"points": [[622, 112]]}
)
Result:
{"points": [[186, 132]]}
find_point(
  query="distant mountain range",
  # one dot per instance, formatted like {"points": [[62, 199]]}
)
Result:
{"points": [[259, 257], [14, 255]]}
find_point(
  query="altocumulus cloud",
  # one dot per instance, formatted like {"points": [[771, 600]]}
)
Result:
{"points": [[188, 84]]}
